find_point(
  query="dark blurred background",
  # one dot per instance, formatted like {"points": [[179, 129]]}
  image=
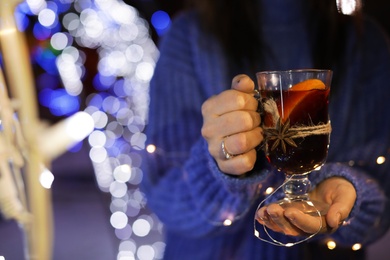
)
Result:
{"points": [[86, 197]]}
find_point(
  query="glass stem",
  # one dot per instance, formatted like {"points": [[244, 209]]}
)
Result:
{"points": [[297, 187]]}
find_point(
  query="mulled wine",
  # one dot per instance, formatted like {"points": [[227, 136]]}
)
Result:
{"points": [[299, 109]]}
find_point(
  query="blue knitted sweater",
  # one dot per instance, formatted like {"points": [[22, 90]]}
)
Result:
{"points": [[182, 182]]}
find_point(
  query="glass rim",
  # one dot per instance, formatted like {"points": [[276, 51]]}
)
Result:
{"points": [[292, 71]]}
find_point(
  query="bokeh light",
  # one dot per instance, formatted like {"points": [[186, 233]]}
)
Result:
{"points": [[117, 108], [161, 21]]}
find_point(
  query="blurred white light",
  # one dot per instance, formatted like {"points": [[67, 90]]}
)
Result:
{"points": [[125, 116], [97, 138], [356, 247], [36, 5], [124, 233], [331, 245], [227, 222], [98, 154], [126, 63], [138, 141], [71, 21], [116, 59], [144, 71], [381, 160], [122, 13], [141, 227], [59, 41], [128, 245], [79, 126], [103, 178], [92, 23], [145, 252], [118, 189], [47, 17], [118, 204], [100, 118], [151, 148], [46, 178], [104, 67], [348, 7], [134, 53], [128, 32], [105, 4], [118, 220], [71, 54], [125, 255], [122, 173], [70, 69], [136, 177], [111, 104], [133, 208], [269, 190], [159, 248]]}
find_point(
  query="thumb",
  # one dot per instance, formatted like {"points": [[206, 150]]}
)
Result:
{"points": [[243, 83], [339, 210]]}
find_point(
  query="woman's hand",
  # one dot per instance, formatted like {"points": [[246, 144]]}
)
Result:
{"points": [[230, 120], [336, 192]]}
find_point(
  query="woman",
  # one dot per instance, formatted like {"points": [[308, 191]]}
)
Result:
{"points": [[207, 199]]}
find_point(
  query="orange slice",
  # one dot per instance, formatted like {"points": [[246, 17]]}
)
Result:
{"points": [[309, 84], [298, 94]]}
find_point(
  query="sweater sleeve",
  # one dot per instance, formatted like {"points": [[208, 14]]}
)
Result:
{"points": [[182, 182]]}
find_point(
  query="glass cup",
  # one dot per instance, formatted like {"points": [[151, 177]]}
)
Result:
{"points": [[296, 125]]}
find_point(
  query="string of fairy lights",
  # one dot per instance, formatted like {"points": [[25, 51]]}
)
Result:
{"points": [[66, 31]]}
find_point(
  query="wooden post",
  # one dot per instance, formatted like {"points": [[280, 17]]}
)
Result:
{"points": [[19, 77]]}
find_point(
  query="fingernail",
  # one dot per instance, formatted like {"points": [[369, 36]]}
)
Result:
{"points": [[273, 215], [339, 218], [237, 79], [340, 222], [263, 218]]}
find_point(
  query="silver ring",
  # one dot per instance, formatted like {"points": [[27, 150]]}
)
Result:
{"points": [[225, 152]]}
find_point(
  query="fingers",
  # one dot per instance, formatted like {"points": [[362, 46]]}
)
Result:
{"points": [[238, 164], [230, 124], [231, 117], [239, 97], [309, 224], [242, 142], [290, 221], [342, 204], [340, 194], [336, 192], [337, 213], [243, 83], [242, 146], [278, 218], [264, 218], [228, 101]]}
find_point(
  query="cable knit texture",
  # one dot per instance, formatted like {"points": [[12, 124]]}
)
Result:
{"points": [[182, 182]]}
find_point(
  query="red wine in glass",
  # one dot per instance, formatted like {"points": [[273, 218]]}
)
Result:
{"points": [[310, 151]]}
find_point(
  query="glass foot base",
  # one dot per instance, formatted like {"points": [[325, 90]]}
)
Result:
{"points": [[289, 222]]}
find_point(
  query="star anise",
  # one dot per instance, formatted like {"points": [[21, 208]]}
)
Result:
{"points": [[282, 134]]}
